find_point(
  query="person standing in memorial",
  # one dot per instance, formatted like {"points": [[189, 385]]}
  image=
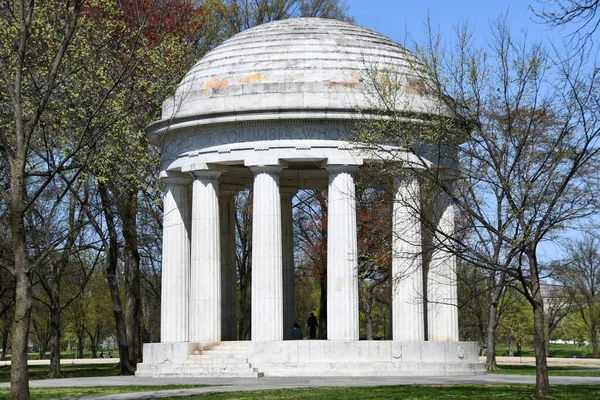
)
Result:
{"points": [[312, 325]]}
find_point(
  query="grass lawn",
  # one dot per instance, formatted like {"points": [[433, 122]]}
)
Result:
{"points": [[552, 370], [53, 393], [67, 370], [442, 392], [69, 355], [438, 392], [556, 350]]}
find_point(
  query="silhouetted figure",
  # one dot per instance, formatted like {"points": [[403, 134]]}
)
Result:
{"points": [[312, 325], [102, 355], [296, 332]]}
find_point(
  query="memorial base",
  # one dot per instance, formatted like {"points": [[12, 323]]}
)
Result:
{"points": [[310, 358]]}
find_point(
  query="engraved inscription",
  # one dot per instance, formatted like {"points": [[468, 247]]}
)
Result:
{"points": [[269, 133], [182, 143]]}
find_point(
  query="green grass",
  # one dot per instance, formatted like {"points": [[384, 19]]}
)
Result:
{"points": [[556, 350], [67, 370], [65, 392], [69, 355], [438, 392], [552, 370], [414, 392]]}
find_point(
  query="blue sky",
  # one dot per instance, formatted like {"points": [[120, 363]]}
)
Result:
{"points": [[394, 18]]}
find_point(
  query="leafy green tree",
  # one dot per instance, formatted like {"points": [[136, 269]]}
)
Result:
{"points": [[516, 326], [572, 328], [65, 273], [86, 317], [40, 97], [62, 93]]}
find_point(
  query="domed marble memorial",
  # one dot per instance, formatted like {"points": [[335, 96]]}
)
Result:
{"points": [[271, 109]]}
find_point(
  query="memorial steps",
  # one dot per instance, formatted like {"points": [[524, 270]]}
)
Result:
{"points": [[215, 360]]}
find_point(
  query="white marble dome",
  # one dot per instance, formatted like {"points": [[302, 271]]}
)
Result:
{"points": [[289, 91], [295, 68]]}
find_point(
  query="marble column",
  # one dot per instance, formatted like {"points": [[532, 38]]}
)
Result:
{"points": [[342, 274], [289, 297], [442, 310], [228, 267], [408, 320], [175, 259], [205, 277], [267, 289]]}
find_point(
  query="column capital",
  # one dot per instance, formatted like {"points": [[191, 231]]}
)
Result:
{"points": [[339, 168], [203, 170], [266, 169], [206, 174], [174, 177]]}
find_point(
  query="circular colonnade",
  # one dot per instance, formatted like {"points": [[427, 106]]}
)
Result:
{"points": [[272, 109]]}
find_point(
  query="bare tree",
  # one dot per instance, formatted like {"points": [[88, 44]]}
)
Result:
{"points": [[232, 16], [310, 237], [524, 131], [580, 15]]}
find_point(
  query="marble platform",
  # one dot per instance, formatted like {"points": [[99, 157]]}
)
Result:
{"points": [[310, 358]]}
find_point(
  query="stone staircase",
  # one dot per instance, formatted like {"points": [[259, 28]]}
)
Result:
{"points": [[212, 360], [224, 360]]}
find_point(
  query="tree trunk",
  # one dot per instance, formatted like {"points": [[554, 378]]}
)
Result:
{"points": [[94, 339], [542, 385], [244, 327], [113, 285], [128, 213], [80, 341], [113, 282], [55, 330], [594, 340], [19, 379], [4, 343], [19, 387], [368, 307], [323, 308], [490, 350]]}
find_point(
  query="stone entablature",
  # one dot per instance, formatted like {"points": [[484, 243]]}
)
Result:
{"points": [[289, 141]]}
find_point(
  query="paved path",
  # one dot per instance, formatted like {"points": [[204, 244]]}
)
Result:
{"points": [[554, 361], [239, 384]]}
